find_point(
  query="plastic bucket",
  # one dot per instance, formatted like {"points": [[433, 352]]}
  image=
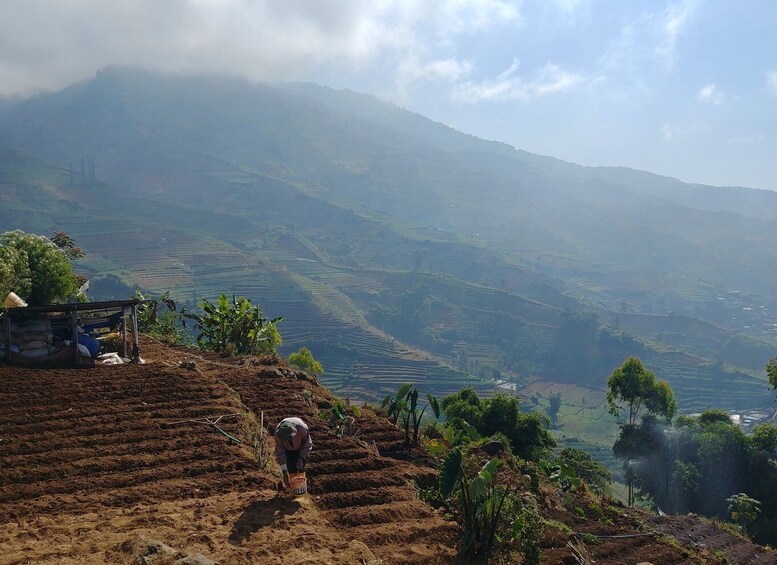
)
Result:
{"points": [[299, 483], [13, 301]]}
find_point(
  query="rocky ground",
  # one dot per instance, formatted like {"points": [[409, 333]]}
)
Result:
{"points": [[117, 464]]}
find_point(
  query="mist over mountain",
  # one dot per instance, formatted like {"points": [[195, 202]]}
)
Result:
{"points": [[376, 220]]}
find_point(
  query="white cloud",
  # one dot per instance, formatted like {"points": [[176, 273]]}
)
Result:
{"points": [[508, 85], [711, 95], [668, 131], [672, 131], [448, 70], [749, 139], [672, 23], [648, 42], [771, 80], [46, 44]]}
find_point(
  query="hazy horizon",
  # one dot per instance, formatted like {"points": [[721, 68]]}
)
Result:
{"points": [[685, 89]]}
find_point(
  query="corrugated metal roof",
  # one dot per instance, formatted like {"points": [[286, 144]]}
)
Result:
{"points": [[73, 306]]}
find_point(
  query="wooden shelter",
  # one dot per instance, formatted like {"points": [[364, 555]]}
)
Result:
{"points": [[54, 330]]}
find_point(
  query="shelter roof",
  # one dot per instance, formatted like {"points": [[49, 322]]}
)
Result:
{"points": [[72, 306]]}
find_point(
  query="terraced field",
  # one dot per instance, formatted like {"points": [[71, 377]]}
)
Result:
{"points": [[365, 496], [95, 462]]}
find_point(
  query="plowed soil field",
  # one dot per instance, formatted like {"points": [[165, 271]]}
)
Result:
{"points": [[96, 463], [117, 464]]}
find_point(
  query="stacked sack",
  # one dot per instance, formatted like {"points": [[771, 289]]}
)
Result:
{"points": [[32, 338]]}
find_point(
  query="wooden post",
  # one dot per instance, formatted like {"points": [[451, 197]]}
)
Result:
{"points": [[7, 328], [74, 339], [124, 352], [135, 348]]}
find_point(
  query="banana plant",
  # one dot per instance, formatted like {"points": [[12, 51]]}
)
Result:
{"points": [[481, 499], [235, 327], [396, 405], [460, 434], [415, 416], [148, 311]]}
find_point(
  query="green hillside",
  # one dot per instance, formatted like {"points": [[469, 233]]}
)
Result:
{"points": [[396, 248]]}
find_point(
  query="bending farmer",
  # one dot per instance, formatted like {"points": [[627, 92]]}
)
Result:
{"points": [[292, 446]]}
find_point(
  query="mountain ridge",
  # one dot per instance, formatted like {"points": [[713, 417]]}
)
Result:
{"points": [[270, 170]]}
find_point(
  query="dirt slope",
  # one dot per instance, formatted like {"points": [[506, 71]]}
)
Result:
{"points": [[102, 465], [92, 460]]}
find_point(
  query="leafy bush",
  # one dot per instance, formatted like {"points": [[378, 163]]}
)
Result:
{"points": [[526, 432], [304, 360], [527, 529], [36, 269], [162, 323], [235, 327], [493, 514], [595, 474], [743, 509]]}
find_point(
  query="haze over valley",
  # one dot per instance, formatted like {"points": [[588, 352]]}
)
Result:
{"points": [[395, 247]]}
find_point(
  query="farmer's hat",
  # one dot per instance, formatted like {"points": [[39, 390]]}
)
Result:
{"points": [[286, 430]]}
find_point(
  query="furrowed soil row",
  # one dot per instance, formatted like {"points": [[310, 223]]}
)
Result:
{"points": [[162, 393], [141, 405], [108, 480], [78, 440], [359, 492], [175, 488], [184, 411], [74, 455], [115, 437], [379, 513], [107, 465], [364, 497], [32, 445], [158, 490]]}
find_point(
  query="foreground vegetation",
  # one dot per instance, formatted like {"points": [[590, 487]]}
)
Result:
{"points": [[37, 268], [703, 464]]}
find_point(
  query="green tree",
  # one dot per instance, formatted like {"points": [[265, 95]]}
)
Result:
{"points": [[771, 370], [464, 405], [554, 405], [743, 509], [764, 439], [595, 474], [502, 413], [632, 387], [633, 391], [36, 269], [235, 327], [304, 360], [714, 416]]}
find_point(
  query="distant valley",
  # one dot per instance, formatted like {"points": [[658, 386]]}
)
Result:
{"points": [[396, 248]]}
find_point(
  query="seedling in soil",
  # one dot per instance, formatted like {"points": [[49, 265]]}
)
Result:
{"points": [[341, 423], [307, 397], [257, 438]]}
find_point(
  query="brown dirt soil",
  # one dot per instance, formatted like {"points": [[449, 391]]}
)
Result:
{"points": [[101, 465]]}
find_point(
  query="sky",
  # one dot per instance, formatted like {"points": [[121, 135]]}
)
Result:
{"points": [[684, 88]]}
